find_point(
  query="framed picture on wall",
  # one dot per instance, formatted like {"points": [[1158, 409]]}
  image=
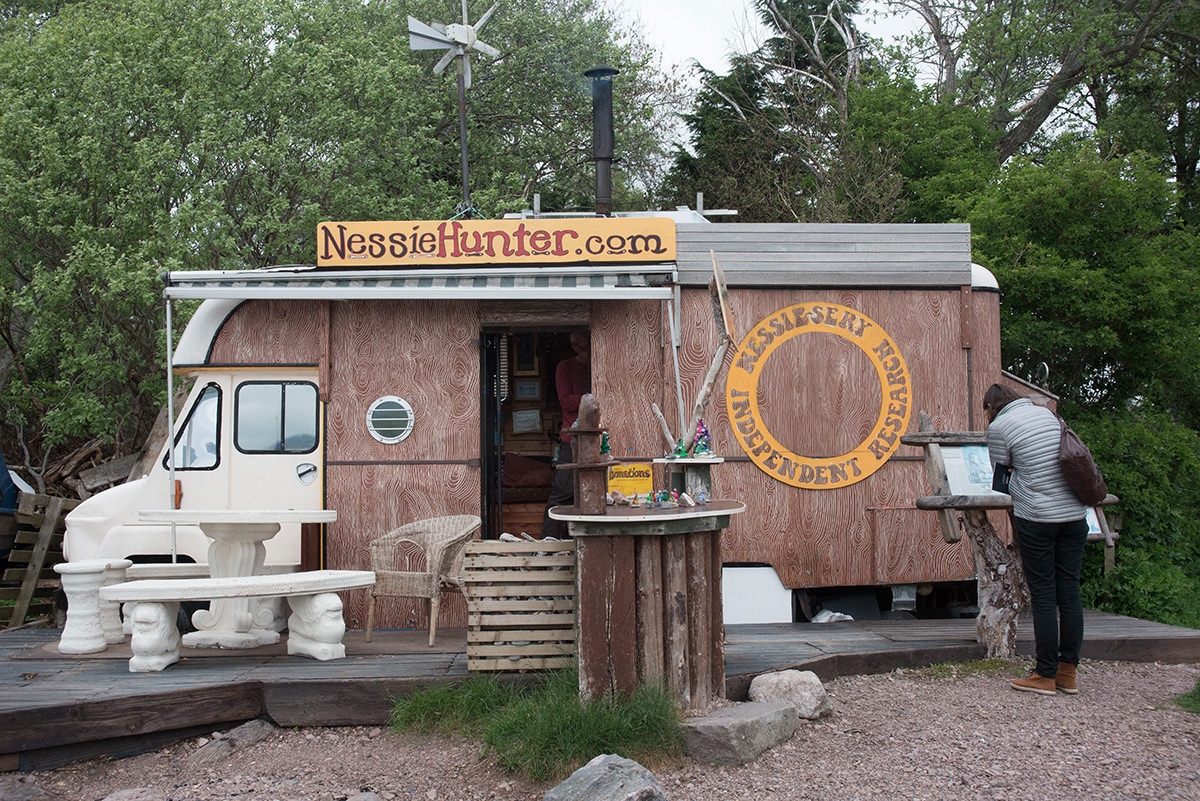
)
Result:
{"points": [[528, 389], [526, 421], [525, 360]]}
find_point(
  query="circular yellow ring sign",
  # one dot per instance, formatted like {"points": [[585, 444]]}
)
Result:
{"points": [[741, 395]]}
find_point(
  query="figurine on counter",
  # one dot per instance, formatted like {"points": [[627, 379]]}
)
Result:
{"points": [[680, 451], [702, 497], [604, 447], [618, 498], [702, 441]]}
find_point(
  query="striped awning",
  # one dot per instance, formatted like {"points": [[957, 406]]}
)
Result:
{"points": [[524, 283]]}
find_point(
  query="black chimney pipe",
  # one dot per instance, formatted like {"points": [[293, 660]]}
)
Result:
{"points": [[602, 134]]}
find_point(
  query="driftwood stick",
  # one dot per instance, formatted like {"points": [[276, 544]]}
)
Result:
{"points": [[722, 296], [945, 438], [714, 296], [662, 422], [706, 389]]}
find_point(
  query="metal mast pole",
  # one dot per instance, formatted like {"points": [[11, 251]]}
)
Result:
{"points": [[462, 127], [171, 432]]}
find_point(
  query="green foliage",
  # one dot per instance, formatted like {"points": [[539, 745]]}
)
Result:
{"points": [[547, 732], [140, 136], [1091, 279], [1191, 700], [944, 153], [467, 708], [1152, 463]]}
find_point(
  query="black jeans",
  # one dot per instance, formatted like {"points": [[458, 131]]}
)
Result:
{"points": [[562, 493], [1052, 555]]}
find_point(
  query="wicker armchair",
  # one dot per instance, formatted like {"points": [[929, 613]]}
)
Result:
{"points": [[443, 540]]}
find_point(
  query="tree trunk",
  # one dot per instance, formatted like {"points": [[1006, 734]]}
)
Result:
{"points": [[1002, 589]]}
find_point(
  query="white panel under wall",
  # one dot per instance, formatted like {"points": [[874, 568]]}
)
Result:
{"points": [[754, 595]]}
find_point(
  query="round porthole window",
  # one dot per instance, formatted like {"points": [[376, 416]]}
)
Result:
{"points": [[390, 419]]}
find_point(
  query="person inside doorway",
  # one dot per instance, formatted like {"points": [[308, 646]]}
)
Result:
{"points": [[572, 380]]}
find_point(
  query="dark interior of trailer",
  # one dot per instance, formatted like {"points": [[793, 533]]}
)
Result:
{"points": [[521, 423]]}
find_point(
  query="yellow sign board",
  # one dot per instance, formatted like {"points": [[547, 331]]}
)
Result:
{"points": [[631, 479], [741, 393], [461, 242]]}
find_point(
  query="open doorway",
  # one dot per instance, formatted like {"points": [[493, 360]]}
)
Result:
{"points": [[522, 420]]}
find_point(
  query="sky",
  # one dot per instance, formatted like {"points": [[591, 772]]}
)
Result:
{"points": [[707, 30]]}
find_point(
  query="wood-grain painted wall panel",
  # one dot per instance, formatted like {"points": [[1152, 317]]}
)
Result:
{"points": [[823, 398], [372, 500], [269, 332], [426, 352], [628, 372]]}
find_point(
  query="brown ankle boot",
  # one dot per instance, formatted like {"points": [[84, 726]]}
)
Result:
{"points": [[1064, 680], [1034, 683]]}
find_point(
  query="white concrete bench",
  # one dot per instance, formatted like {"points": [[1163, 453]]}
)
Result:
{"points": [[315, 626], [187, 570]]}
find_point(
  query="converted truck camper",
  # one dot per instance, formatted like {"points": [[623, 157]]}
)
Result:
{"points": [[409, 374]]}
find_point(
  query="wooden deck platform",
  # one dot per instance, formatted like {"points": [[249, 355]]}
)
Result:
{"points": [[57, 709]]}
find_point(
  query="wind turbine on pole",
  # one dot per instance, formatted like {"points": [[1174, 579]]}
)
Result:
{"points": [[457, 40]]}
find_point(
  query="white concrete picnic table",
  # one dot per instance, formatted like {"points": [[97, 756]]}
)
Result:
{"points": [[237, 549]]}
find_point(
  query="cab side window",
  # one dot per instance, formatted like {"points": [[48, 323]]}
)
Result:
{"points": [[196, 444], [275, 417]]}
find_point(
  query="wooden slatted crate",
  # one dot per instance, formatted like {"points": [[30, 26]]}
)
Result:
{"points": [[520, 605], [29, 581]]}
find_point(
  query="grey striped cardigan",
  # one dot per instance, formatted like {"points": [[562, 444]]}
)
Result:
{"points": [[1026, 437]]}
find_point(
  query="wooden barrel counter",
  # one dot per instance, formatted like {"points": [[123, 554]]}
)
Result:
{"points": [[648, 589]]}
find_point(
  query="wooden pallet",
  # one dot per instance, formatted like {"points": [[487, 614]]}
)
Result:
{"points": [[30, 580], [520, 605]]}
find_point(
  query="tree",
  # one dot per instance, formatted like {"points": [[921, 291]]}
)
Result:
{"points": [[774, 138], [1026, 61], [138, 136], [1097, 281], [1154, 105], [944, 154]]}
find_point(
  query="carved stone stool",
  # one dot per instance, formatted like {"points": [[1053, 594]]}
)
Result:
{"points": [[81, 582]]}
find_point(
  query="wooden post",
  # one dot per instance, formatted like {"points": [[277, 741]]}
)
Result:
{"points": [[935, 466], [591, 471], [1000, 579], [650, 608], [675, 593], [998, 574]]}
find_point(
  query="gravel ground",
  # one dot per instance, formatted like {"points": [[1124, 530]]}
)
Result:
{"points": [[903, 735]]}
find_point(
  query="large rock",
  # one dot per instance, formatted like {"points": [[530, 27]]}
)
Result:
{"points": [[609, 778], [244, 736], [737, 734], [799, 687]]}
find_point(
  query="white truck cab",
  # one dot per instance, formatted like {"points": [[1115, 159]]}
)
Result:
{"points": [[248, 437]]}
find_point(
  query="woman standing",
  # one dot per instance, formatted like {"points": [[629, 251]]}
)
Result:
{"points": [[1051, 530]]}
